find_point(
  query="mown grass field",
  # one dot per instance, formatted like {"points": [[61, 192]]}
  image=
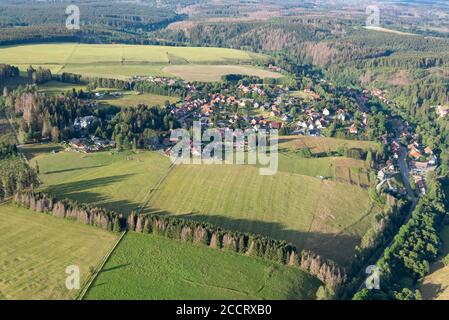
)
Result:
{"points": [[37, 248], [56, 87], [303, 203], [320, 215], [436, 285], [133, 99], [122, 61], [214, 73], [117, 181], [151, 267]]}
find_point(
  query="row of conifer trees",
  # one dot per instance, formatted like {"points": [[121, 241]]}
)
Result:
{"points": [[188, 231]]}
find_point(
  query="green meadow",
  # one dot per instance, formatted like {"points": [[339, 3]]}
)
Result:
{"points": [[117, 181], [122, 61], [304, 203], [151, 267], [37, 248], [307, 211]]}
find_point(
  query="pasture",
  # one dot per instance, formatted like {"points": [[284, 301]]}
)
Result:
{"points": [[213, 73], [133, 99], [151, 267], [122, 61], [56, 87], [303, 203], [116, 181], [36, 249], [311, 213]]}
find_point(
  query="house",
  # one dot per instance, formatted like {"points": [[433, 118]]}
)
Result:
{"points": [[353, 129], [381, 175], [99, 95], [326, 112], [428, 150], [442, 111], [415, 153], [364, 119], [432, 160], [419, 166], [83, 122], [276, 125], [341, 115]]}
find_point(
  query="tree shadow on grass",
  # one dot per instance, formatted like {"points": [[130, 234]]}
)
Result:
{"points": [[431, 291], [120, 266], [72, 169], [81, 191], [338, 247]]}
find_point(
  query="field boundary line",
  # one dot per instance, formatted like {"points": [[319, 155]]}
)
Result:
{"points": [[94, 276], [68, 58], [152, 190]]}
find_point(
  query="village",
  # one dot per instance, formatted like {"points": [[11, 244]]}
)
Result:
{"points": [[243, 105]]}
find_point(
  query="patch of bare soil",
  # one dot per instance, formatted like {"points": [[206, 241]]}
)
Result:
{"points": [[400, 78]]}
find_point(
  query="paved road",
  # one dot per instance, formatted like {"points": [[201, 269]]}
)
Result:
{"points": [[405, 171]]}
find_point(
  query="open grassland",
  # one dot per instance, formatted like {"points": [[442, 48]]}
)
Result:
{"points": [[303, 203], [320, 215], [56, 87], [320, 145], [342, 169], [150, 267], [117, 181], [37, 248], [213, 73], [133, 99], [122, 61], [436, 285]]}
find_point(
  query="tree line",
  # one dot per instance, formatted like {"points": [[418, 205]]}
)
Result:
{"points": [[15, 174], [7, 71], [70, 209]]}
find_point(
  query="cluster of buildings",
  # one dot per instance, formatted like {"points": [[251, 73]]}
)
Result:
{"points": [[422, 160], [83, 123], [157, 80], [253, 88], [272, 110], [90, 144]]}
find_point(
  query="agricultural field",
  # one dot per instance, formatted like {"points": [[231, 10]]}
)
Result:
{"points": [[133, 99], [303, 203], [116, 181], [213, 73], [123, 61], [309, 212], [151, 267], [37, 248], [436, 284], [56, 87]]}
